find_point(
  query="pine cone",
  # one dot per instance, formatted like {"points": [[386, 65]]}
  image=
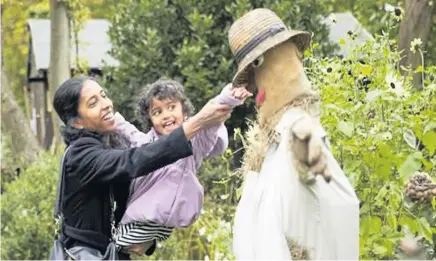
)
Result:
{"points": [[420, 187]]}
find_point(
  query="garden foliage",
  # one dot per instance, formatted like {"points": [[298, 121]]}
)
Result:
{"points": [[380, 128]]}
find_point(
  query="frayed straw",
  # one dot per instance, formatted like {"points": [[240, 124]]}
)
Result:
{"points": [[259, 138]]}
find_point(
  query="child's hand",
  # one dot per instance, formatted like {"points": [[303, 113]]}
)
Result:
{"points": [[241, 94]]}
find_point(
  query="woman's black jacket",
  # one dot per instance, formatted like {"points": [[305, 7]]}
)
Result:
{"points": [[91, 169]]}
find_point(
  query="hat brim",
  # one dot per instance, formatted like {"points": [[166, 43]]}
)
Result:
{"points": [[300, 38]]}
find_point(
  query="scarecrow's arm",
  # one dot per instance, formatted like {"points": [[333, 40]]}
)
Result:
{"points": [[307, 142]]}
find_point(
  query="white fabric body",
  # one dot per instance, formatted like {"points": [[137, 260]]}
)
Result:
{"points": [[276, 207]]}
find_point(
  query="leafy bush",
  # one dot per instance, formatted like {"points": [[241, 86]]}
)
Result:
{"points": [[9, 167], [208, 238], [382, 131], [27, 226]]}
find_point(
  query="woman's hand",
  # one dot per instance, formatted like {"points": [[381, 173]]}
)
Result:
{"points": [[211, 114]]}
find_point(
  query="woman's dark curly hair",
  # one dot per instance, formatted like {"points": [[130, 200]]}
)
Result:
{"points": [[162, 89]]}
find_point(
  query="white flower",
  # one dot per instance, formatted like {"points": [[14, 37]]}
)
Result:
{"points": [[202, 231], [389, 8], [215, 234], [387, 136], [396, 85], [228, 227], [333, 18], [401, 92], [415, 44], [206, 258], [202, 211], [209, 238], [397, 13], [218, 255], [159, 245]]}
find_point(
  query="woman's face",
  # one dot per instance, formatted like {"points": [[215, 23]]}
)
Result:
{"points": [[95, 109]]}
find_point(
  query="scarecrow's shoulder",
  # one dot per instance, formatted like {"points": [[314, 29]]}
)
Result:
{"points": [[294, 115]]}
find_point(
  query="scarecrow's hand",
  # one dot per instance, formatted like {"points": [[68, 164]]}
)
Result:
{"points": [[307, 149]]}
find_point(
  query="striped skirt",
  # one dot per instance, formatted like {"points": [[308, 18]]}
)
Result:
{"points": [[138, 233]]}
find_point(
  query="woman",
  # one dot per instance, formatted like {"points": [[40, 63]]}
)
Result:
{"points": [[98, 161]]}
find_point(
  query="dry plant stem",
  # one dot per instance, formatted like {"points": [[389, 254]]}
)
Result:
{"points": [[258, 138], [422, 64]]}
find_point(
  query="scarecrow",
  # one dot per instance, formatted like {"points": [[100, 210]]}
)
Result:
{"points": [[296, 202]]}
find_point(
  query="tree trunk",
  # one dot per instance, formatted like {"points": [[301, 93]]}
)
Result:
{"points": [[60, 55], [25, 146], [415, 24]]}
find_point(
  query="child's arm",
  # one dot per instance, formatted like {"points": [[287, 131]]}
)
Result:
{"points": [[128, 130], [214, 141]]}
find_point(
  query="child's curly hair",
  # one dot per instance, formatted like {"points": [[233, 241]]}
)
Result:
{"points": [[162, 89]]}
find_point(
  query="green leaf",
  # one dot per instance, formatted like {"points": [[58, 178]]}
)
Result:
{"points": [[410, 138], [366, 70], [409, 166], [426, 229], [411, 223], [419, 69], [429, 141], [370, 225], [346, 128], [381, 194], [379, 250], [430, 126], [418, 155], [372, 95], [392, 221]]}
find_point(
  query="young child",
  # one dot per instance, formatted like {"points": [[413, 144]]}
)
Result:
{"points": [[171, 197]]}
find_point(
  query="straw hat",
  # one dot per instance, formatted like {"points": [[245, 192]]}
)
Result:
{"points": [[255, 33]]}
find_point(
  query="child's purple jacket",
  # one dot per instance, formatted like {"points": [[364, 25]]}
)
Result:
{"points": [[172, 196]]}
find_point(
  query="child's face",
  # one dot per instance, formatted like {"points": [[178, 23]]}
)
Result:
{"points": [[166, 115]]}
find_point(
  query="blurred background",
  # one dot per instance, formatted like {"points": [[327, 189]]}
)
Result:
{"points": [[373, 62]]}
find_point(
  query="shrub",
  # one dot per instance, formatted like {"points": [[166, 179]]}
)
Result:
{"points": [[208, 238], [27, 225], [382, 131], [10, 168]]}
